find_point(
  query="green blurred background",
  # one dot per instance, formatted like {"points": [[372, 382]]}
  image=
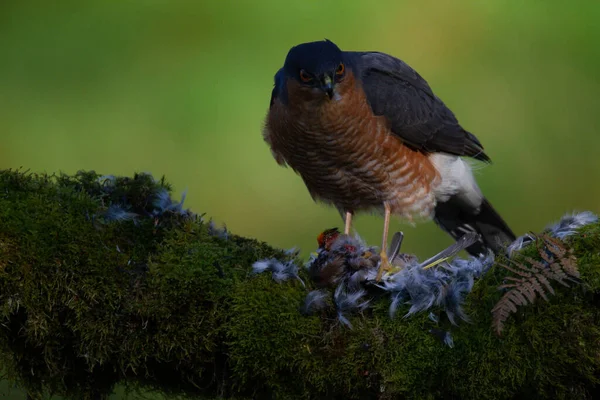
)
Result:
{"points": [[181, 88]]}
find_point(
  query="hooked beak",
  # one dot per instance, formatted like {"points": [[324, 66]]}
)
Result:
{"points": [[327, 85]]}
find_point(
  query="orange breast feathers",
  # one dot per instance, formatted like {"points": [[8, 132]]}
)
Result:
{"points": [[344, 153]]}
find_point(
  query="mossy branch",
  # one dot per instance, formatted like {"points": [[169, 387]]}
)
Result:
{"points": [[94, 293]]}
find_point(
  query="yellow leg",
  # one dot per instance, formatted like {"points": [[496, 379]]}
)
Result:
{"points": [[348, 223], [384, 265]]}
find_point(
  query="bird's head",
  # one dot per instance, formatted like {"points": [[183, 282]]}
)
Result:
{"points": [[327, 237], [317, 66]]}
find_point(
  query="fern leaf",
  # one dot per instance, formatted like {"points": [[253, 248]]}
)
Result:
{"points": [[569, 265], [535, 284], [549, 271], [507, 305], [524, 273], [535, 264], [558, 274], [524, 268], [532, 277], [568, 262], [501, 313], [546, 257], [513, 279], [554, 246], [508, 286], [517, 297], [528, 290], [546, 283]]}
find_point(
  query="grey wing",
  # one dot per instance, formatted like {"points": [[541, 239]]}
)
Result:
{"points": [[415, 113]]}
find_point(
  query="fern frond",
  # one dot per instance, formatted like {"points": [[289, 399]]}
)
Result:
{"points": [[569, 265], [510, 285], [532, 278], [554, 246], [550, 270], [547, 284], [517, 298], [537, 288], [529, 291], [501, 313], [546, 257], [523, 271], [512, 278], [562, 255]]}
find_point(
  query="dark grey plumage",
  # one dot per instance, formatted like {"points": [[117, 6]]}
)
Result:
{"points": [[457, 219], [416, 114]]}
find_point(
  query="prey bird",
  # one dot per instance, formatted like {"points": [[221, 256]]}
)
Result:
{"points": [[365, 132]]}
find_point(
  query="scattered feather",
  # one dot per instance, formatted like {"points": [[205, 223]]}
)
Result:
{"points": [[520, 243], [568, 225], [117, 213], [348, 266], [445, 286], [347, 301], [293, 252], [164, 204], [444, 336], [395, 246], [261, 266], [397, 300], [448, 340], [213, 230], [433, 317], [562, 229], [280, 271], [315, 300], [137, 198]]}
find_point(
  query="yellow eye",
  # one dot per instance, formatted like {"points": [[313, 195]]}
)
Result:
{"points": [[340, 69], [305, 76]]}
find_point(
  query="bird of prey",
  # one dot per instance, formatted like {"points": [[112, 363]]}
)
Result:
{"points": [[365, 132]]}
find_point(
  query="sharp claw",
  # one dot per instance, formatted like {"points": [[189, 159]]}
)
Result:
{"points": [[384, 265]]}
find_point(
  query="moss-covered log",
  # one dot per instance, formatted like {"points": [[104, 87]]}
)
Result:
{"points": [[106, 280]]}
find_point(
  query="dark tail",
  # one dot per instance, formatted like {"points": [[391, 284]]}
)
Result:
{"points": [[457, 218]]}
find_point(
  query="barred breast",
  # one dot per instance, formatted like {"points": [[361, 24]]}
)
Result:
{"points": [[348, 157]]}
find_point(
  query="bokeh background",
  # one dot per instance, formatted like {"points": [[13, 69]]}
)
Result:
{"points": [[181, 88]]}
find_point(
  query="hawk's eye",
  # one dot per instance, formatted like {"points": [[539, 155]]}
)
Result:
{"points": [[305, 76], [340, 69]]}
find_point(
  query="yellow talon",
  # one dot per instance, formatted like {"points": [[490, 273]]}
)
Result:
{"points": [[384, 265]]}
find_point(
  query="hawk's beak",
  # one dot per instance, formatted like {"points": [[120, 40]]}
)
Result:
{"points": [[327, 86]]}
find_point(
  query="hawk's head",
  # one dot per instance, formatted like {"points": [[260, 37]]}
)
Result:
{"points": [[317, 66]]}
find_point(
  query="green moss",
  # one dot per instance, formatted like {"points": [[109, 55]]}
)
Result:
{"points": [[161, 302], [86, 303]]}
